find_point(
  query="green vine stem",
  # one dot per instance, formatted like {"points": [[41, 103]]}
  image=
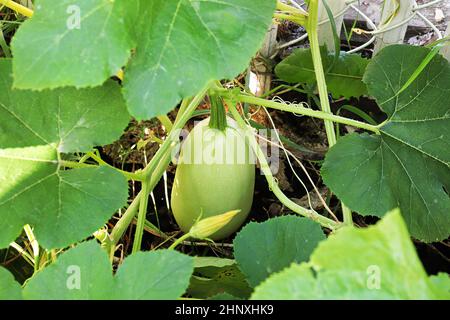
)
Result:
{"points": [[77, 165], [126, 219], [311, 28], [142, 213], [288, 8], [179, 240], [161, 161], [165, 121], [27, 257], [273, 185], [172, 140], [148, 187], [290, 13], [34, 245], [297, 109], [27, 12], [124, 222], [293, 18], [183, 106], [128, 175], [155, 169]]}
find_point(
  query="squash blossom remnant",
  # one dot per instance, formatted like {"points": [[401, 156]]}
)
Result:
{"points": [[204, 228]]}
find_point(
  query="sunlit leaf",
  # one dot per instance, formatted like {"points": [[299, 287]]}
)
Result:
{"points": [[63, 206], [379, 262], [179, 46], [86, 273], [343, 77]]}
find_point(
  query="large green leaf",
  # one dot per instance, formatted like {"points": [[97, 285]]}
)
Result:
{"points": [[157, 275], [35, 127], [9, 288], [264, 248], [343, 77], [68, 119], [85, 273], [379, 262], [180, 46], [407, 165], [441, 283], [71, 43]]}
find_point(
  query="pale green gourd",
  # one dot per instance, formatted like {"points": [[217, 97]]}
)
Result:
{"points": [[211, 187]]}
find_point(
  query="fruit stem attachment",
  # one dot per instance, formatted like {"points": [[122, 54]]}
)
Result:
{"points": [[218, 118]]}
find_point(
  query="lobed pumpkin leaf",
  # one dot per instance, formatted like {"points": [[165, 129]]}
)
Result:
{"points": [[36, 128], [9, 288], [441, 283], [408, 164], [167, 65], [379, 262], [86, 273], [77, 43], [265, 248], [343, 77]]}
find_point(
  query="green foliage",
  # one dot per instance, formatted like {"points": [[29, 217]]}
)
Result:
{"points": [[85, 273], [441, 284], [9, 288], [72, 43], [223, 296], [68, 120], [36, 128], [407, 165], [265, 248], [179, 46], [170, 50], [344, 76], [216, 277], [379, 262]]}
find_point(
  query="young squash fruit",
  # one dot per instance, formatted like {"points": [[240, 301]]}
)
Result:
{"points": [[215, 174]]}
